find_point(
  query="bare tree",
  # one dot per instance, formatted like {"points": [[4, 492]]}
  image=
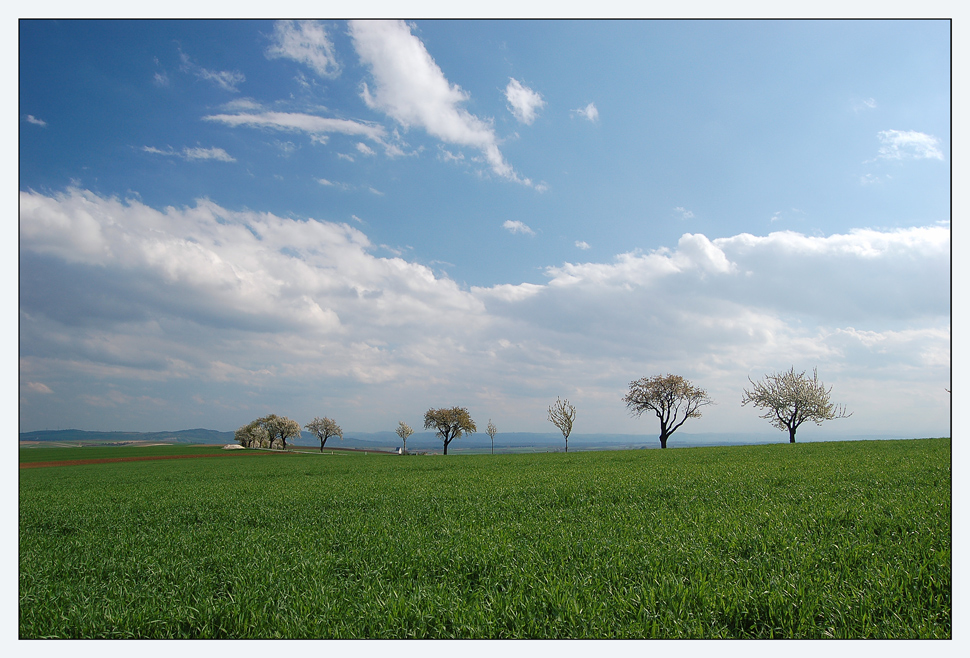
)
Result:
{"points": [[449, 423], [790, 399], [562, 414], [491, 430], [404, 431], [671, 397], [324, 428]]}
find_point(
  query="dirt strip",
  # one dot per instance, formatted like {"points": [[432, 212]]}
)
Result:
{"points": [[79, 462]]}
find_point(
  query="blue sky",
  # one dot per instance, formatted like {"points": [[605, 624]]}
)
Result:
{"points": [[222, 219]]}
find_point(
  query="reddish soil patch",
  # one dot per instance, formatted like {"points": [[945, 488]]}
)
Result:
{"points": [[79, 462]]}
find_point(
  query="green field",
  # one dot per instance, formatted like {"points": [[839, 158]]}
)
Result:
{"points": [[815, 540]]}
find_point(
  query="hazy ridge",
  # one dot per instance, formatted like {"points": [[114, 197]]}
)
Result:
{"points": [[428, 441]]}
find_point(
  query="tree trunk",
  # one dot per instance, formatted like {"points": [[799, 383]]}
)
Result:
{"points": [[663, 440], [446, 447], [567, 445], [791, 435]]}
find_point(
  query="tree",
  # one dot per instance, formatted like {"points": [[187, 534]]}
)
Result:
{"points": [[404, 431], [790, 399], [449, 423], [324, 428], [280, 428], [562, 414], [253, 435], [673, 398], [491, 430]]}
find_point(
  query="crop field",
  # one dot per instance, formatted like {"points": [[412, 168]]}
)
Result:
{"points": [[816, 540]]}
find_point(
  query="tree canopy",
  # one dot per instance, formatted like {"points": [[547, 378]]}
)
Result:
{"points": [[267, 430], [562, 414], [449, 423], [791, 398], [404, 431], [671, 397], [324, 428]]}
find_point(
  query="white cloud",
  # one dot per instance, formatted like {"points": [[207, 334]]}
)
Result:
{"points": [[242, 105], [684, 213], [227, 80], [195, 153], [30, 118], [904, 144], [278, 313], [306, 42], [340, 186], [524, 103], [363, 148], [864, 104], [589, 112], [515, 226], [38, 387], [447, 156], [410, 88], [214, 153], [582, 244], [318, 127]]}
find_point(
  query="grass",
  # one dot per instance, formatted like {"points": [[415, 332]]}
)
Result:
{"points": [[844, 540], [110, 452]]}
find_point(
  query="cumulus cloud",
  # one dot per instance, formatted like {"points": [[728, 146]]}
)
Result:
{"points": [[582, 244], [306, 42], [908, 144], [515, 226], [684, 213], [589, 112], [30, 118], [258, 313], [524, 103], [409, 87]]}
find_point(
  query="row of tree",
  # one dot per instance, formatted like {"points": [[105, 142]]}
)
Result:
{"points": [[788, 399], [272, 431]]}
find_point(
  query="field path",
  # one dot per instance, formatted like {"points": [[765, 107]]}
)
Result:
{"points": [[79, 462]]}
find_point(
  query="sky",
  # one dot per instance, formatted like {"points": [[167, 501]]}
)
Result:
{"points": [[364, 220]]}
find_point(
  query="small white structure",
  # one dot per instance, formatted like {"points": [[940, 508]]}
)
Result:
{"points": [[233, 446]]}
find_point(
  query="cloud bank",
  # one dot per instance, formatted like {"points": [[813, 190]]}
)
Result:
{"points": [[250, 313]]}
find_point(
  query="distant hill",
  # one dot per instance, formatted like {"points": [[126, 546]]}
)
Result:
{"points": [[198, 435], [428, 441]]}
